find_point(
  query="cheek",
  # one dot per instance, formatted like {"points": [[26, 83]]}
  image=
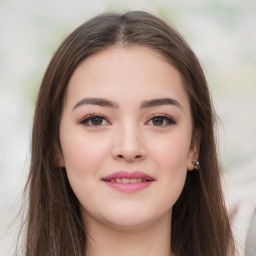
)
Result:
{"points": [[83, 155], [170, 156], [172, 161], [171, 152]]}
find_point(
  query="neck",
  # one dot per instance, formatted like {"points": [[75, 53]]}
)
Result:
{"points": [[151, 240]]}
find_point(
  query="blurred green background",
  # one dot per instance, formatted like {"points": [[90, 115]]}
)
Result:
{"points": [[221, 32]]}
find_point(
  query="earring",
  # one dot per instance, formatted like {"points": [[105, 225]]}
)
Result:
{"points": [[196, 164]]}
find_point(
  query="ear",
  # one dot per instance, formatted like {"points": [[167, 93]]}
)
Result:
{"points": [[193, 154], [59, 159]]}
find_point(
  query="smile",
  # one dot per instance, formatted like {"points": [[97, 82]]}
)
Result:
{"points": [[128, 181]]}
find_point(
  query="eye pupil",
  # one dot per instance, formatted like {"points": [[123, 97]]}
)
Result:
{"points": [[158, 121], [96, 121]]}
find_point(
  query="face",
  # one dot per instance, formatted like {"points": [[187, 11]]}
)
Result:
{"points": [[126, 133]]}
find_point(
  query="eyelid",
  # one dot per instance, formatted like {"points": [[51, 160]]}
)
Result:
{"points": [[170, 118], [90, 116]]}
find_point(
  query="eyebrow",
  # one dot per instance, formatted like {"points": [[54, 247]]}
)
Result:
{"points": [[145, 104], [96, 101], [160, 102]]}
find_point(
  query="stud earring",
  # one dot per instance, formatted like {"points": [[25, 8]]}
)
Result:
{"points": [[196, 164]]}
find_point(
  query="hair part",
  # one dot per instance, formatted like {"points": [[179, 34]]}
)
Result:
{"points": [[200, 224]]}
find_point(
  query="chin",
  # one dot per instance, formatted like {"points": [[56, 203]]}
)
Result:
{"points": [[134, 220], [129, 223]]}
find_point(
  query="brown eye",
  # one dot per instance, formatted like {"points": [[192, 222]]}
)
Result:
{"points": [[161, 121], [158, 121], [95, 120]]}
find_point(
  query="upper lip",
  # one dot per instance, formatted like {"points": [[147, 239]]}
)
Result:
{"points": [[128, 175]]}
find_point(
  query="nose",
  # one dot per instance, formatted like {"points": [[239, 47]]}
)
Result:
{"points": [[128, 144]]}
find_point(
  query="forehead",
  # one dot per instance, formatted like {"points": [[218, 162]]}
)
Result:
{"points": [[126, 73]]}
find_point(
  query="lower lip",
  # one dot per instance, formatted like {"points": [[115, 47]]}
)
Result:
{"points": [[129, 187]]}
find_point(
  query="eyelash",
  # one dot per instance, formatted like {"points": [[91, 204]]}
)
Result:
{"points": [[90, 117], [169, 120]]}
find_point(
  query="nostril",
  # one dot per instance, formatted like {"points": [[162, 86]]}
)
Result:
{"points": [[129, 157]]}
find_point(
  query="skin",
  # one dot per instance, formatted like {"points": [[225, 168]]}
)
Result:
{"points": [[127, 138]]}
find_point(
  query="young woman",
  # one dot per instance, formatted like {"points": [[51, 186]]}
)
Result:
{"points": [[124, 158]]}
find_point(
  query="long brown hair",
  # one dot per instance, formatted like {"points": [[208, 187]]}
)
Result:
{"points": [[200, 224]]}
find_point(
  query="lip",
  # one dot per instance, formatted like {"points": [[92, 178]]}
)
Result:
{"points": [[144, 181], [128, 175]]}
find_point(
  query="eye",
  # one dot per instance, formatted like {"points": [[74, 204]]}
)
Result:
{"points": [[161, 120], [95, 120]]}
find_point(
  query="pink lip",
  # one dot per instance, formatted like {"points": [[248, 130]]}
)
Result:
{"points": [[128, 187], [128, 175]]}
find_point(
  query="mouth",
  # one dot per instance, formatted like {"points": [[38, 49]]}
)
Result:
{"points": [[128, 181]]}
